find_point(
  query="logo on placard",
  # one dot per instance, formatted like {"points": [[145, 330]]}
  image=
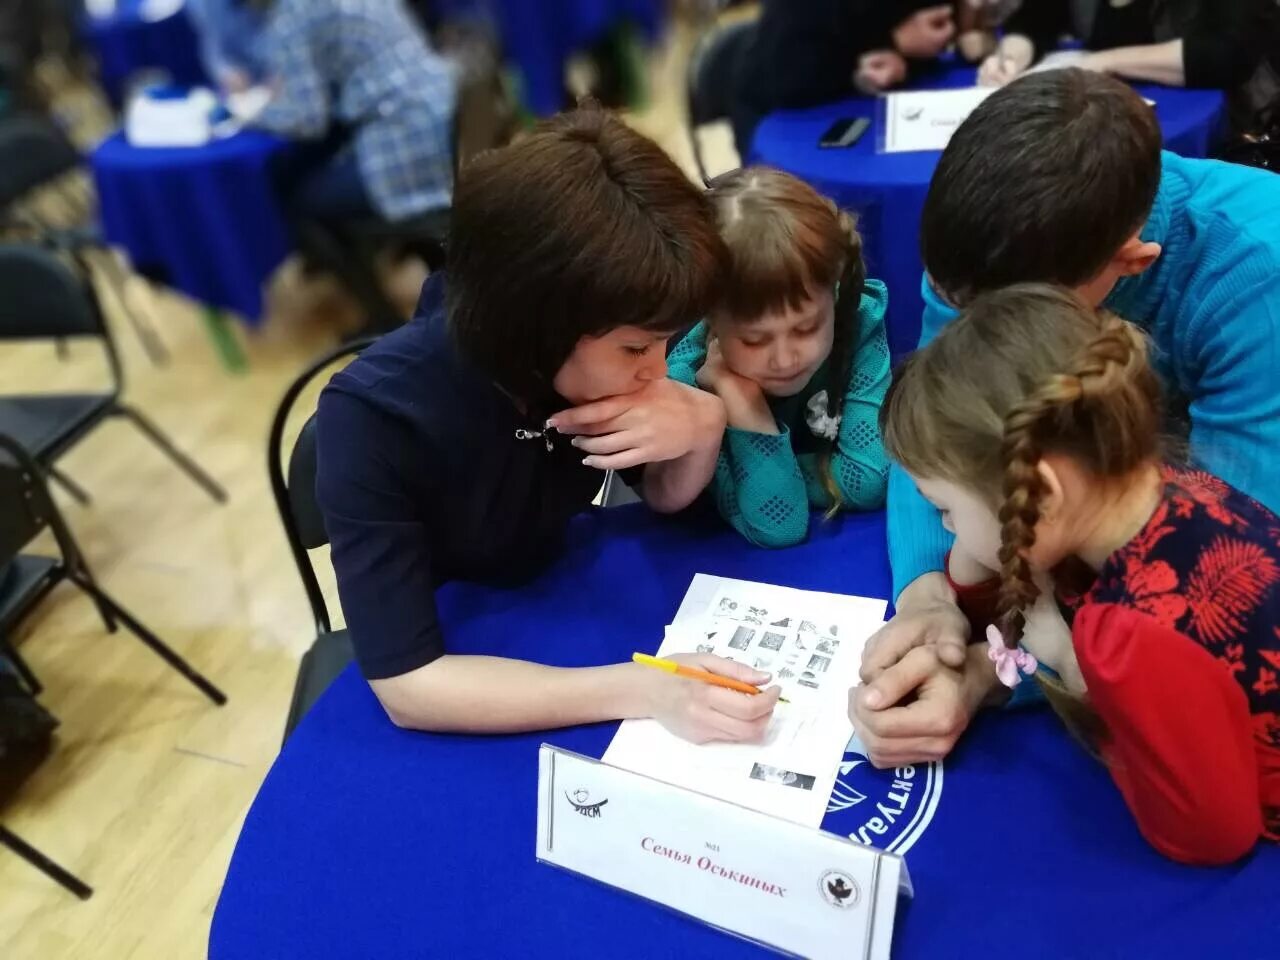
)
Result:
{"points": [[838, 888], [886, 809], [581, 801]]}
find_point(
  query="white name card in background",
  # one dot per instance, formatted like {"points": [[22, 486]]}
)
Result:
{"points": [[780, 884], [926, 119]]}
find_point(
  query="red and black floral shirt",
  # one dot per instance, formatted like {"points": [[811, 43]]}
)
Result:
{"points": [[1178, 640]]}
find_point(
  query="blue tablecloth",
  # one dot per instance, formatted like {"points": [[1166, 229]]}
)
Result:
{"points": [[368, 841], [204, 220], [540, 37], [888, 189], [125, 44]]}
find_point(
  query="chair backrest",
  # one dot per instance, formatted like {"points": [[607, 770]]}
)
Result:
{"points": [[41, 297], [294, 486], [709, 78], [33, 152]]}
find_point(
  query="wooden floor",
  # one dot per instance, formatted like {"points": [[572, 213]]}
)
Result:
{"points": [[148, 784]]}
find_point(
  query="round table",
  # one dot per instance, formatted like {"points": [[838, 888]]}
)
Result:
{"points": [[203, 220], [887, 190], [370, 841], [127, 42]]}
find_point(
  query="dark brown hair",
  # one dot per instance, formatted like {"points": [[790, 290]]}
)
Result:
{"points": [[1044, 181], [786, 241], [1026, 371], [578, 228]]}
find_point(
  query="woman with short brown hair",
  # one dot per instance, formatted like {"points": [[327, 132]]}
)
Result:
{"points": [[575, 254]]}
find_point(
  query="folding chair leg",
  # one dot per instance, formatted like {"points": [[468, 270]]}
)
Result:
{"points": [[104, 611], [29, 679], [68, 880], [185, 463], [77, 492], [118, 280], [158, 646]]}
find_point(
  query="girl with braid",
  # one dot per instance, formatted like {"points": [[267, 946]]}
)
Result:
{"points": [[1033, 423], [796, 350]]}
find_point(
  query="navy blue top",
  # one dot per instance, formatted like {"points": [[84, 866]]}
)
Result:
{"points": [[421, 479]]}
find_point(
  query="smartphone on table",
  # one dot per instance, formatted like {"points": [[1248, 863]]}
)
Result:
{"points": [[845, 132]]}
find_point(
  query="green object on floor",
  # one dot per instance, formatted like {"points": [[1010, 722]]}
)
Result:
{"points": [[629, 58], [224, 341]]}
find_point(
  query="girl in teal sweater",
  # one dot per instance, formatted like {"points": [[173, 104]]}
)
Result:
{"points": [[796, 350]]}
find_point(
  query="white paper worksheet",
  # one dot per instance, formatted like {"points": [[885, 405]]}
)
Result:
{"points": [[926, 119], [812, 644]]}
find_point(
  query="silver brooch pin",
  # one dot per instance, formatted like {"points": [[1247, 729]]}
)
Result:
{"points": [[545, 435]]}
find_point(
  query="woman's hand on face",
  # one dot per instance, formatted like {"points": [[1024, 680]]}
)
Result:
{"points": [[700, 712], [662, 421]]}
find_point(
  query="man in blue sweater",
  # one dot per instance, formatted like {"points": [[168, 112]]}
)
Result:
{"points": [[1059, 177]]}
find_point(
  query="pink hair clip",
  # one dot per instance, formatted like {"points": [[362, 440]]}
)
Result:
{"points": [[1010, 664]]}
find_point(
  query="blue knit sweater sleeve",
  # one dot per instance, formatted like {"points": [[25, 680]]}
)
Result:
{"points": [[917, 541], [1234, 345]]}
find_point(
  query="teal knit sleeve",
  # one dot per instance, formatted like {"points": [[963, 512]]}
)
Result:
{"points": [[859, 464], [759, 488], [687, 356]]}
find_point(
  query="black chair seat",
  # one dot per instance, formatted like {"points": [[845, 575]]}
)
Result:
{"points": [[328, 657], [45, 425], [22, 583]]}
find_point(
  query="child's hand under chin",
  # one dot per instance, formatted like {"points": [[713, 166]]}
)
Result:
{"points": [[745, 405]]}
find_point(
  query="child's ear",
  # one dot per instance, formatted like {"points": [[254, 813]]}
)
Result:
{"points": [[1135, 256], [1051, 500]]}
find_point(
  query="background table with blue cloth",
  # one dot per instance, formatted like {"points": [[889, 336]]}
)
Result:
{"points": [[203, 220], [539, 38], [126, 43], [370, 841], [888, 190]]}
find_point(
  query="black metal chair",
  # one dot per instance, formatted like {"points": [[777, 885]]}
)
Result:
{"points": [[26, 510], [708, 79], [35, 154], [41, 862], [42, 299], [293, 483]]}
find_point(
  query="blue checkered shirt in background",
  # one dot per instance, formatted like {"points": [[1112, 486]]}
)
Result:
{"points": [[365, 65]]}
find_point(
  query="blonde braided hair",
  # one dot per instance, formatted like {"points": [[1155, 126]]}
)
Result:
{"points": [[1101, 389]]}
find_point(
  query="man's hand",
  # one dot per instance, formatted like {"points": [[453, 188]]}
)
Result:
{"points": [[926, 728], [927, 616], [924, 35], [879, 70], [662, 421]]}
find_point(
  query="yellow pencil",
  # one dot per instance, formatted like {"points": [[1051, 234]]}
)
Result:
{"points": [[693, 673]]}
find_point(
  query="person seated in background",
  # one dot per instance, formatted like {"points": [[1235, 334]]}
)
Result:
{"points": [[796, 350], [359, 82], [459, 446], [1230, 45], [230, 32], [802, 54], [1059, 178]]}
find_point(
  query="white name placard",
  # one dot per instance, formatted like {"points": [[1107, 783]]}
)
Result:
{"points": [[781, 884]]}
